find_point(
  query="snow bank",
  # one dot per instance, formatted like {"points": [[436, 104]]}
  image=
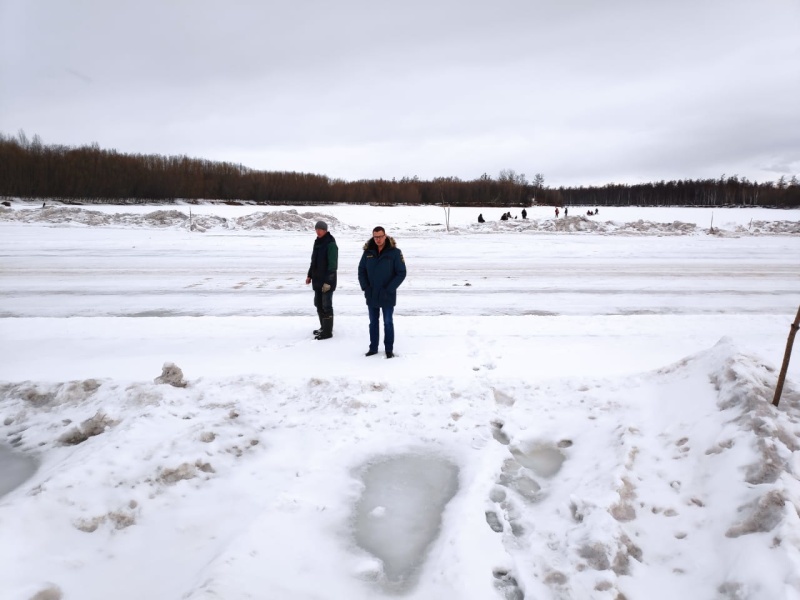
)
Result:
{"points": [[283, 220], [291, 220], [676, 483]]}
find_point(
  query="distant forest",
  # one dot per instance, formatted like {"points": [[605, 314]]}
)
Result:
{"points": [[31, 169]]}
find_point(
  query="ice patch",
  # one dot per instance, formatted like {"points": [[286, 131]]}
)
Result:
{"points": [[400, 512], [15, 469]]}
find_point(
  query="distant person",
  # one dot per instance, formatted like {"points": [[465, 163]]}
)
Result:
{"points": [[566, 212], [595, 210], [481, 219], [322, 277], [504, 217], [556, 212], [44, 204], [380, 272], [524, 214]]}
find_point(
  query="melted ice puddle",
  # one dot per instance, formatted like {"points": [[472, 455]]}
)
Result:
{"points": [[15, 469], [400, 512]]}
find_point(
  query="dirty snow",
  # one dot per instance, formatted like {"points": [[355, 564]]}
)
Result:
{"points": [[578, 408]]}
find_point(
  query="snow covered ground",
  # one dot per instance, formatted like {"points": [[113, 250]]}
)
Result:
{"points": [[578, 408]]}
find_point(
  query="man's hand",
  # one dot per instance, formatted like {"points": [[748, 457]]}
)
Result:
{"points": [[326, 287], [308, 280]]}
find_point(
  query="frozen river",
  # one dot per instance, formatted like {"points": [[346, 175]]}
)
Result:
{"points": [[576, 409], [68, 272]]}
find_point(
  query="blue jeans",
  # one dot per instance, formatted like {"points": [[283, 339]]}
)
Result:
{"points": [[374, 327]]}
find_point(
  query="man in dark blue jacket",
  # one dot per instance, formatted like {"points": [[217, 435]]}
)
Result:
{"points": [[322, 277], [381, 271]]}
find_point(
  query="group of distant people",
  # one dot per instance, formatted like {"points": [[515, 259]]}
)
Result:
{"points": [[505, 216]]}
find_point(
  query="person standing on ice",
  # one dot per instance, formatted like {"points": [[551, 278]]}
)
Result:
{"points": [[322, 277], [380, 272]]}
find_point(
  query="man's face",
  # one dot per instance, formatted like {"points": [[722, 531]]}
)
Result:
{"points": [[380, 238], [320, 232]]}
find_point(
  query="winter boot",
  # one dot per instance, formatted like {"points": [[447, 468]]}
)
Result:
{"points": [[318, 331], [327, 329]]}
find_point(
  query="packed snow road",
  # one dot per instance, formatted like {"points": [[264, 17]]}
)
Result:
{"points": [[68, 272]]}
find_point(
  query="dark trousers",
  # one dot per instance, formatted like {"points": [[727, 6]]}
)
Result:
{"points": [[324, 303], [388, 327]]}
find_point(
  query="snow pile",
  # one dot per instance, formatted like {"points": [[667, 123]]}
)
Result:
{"points": [[771, 227], [581, 224], [291, 220], [284, 220], [171, 374]]}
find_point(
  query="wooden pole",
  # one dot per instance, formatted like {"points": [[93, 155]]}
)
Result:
{"points": [[786, 356]]}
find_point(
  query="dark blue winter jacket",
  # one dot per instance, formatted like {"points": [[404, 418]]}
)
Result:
{"points": [[381, 273], [324, 262]]}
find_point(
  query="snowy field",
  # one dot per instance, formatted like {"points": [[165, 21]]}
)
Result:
{"points": [[578, 408]]}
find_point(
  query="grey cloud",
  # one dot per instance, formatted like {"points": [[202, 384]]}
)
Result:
{"points": [[584, 92]]}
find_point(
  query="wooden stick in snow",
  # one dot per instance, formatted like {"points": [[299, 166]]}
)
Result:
{"points": [[786, 356]]}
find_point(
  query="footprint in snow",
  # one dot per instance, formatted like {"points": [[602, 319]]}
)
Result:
{"points": [[517, 487]]}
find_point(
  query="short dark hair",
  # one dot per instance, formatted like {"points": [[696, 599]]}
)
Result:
{"points": [[379, 228]]}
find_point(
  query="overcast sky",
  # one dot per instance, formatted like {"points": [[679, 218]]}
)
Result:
{"points": [[585, 92]]}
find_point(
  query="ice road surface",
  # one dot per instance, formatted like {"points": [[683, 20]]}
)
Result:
{"points": [[578, 409]]}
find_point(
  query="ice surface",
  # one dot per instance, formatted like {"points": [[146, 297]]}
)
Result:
{"points": [[605, 393], [400, 512], [15, 469]]}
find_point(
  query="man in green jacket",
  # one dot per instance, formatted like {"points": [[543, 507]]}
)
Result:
{"points": [[322, 277]]}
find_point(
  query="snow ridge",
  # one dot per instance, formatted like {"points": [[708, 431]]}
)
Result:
{"points": [[283, 220], [291, 220]]}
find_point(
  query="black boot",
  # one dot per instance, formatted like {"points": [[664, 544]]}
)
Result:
{"points": [[327, 329], [318, 331]]}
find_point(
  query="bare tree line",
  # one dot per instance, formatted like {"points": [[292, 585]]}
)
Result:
{"points": [[724, 191], [31, 169]]}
